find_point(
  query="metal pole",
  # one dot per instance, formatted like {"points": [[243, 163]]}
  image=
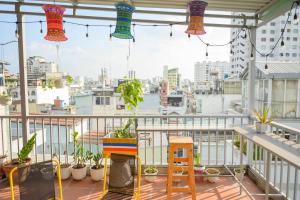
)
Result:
{"points": [[252, 72], [23, 74]]}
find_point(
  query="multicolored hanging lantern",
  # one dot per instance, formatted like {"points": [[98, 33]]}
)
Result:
{"points": [[124, 17], [55, 30], [196, 9]]}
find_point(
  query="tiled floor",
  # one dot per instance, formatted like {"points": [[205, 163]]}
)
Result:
{"points": [[225, 189]]}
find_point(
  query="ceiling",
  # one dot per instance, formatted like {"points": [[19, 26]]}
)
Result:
{"points": [[222, 5]]}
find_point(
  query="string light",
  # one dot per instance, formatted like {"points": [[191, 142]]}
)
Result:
{"points": [[206, 53], [282, 42], [110, 34], [87, 31], [16, 31], [41, 25], [295, 18], [133, 30], [171, 30], [64, 26], [266, 65]]}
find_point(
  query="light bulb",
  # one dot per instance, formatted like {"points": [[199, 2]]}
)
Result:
{"points": [[295, 19], [282, 43]]}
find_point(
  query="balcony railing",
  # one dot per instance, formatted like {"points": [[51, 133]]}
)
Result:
{"points": [[216, 137]]}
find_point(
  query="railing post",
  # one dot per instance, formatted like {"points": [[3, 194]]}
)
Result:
{"points": [[23, 73], [252, 74], [267, 173]]}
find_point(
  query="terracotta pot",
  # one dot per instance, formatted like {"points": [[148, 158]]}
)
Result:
{"points": [[97, 174], [10, 165], [150, 177], [65, 171], [212, 171], [199, 171], [79, 173]]}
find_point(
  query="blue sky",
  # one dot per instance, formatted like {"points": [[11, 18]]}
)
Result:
{"points": [[85, 56]]}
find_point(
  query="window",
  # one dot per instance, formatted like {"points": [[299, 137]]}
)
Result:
{"points": [[281, 54], [99, 101], [295, 30], [263, 39], [295, 39], [287, 54], [107, 100], [271, 39], [288, 30], [263, 31], [272, 31], [294, 47], [32, 93], [288, 38], [272, 23], [294, 54]]}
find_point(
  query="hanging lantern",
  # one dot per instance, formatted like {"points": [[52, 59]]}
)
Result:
{"points": [[55, 30], [124, 17], [196, 10]]}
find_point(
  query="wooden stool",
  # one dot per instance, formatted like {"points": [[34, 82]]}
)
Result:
{"points": [[186, 143]]}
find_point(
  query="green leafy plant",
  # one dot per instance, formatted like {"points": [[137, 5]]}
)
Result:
{"points": [[80, 156], [25, 151], [69, 79], [50, 83], [242, 169], [263, 117], [151, 169], [124, 132], [197, 159], [5, 94], [131, 93], [97, 158]]}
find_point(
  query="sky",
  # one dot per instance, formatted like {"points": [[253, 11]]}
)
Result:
{"points": [[81, 56]]}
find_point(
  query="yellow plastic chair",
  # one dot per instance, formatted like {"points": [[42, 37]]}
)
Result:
{"points": [[106, 191], [36, 181]]}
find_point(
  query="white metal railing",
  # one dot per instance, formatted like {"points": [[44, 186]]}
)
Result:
{"points": [[215, 136], [285, 131]]}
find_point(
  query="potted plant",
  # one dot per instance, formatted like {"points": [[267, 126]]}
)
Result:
{"points": [[22, 159], [213, 174], [198, 168], [132, 94], [97, 170], [122, 140], [240, 172], [150, 173], [2, 161], [65, 168], [79, 169], [262, 120], [5, 99]]}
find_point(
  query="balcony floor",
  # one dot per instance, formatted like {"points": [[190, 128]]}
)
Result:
{"points": [[225, 189]]}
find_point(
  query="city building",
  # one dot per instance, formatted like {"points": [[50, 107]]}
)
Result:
{"points": [[104, 78], [208, 76], [39, 65], [131, 74], [266, 37]]}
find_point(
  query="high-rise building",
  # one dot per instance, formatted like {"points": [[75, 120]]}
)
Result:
{"points": [[207, 71], [39, 65], [174, 79], [266, 37], [103, 77]]}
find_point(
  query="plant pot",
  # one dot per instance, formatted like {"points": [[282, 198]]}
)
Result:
{"points": [[78, 173], [97, 174], [199, 171], [119, 145], [10, 165], [2, 161], [120, 172], [239, 174], [5, 100], [65, 171], [260, 127], [150, 177], [47, 173], [212, 171]]}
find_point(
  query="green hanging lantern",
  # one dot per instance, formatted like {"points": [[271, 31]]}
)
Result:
{"points": [[124, 17]]}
